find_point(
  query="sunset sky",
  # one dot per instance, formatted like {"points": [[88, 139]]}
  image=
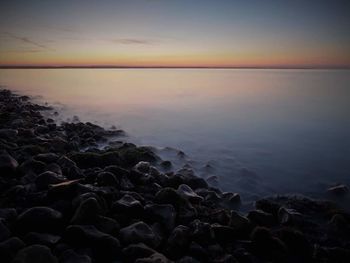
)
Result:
{"points": [[184, 33]]}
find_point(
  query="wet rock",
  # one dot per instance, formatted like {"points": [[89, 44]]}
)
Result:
{"points": [[90, 159], [169, 196], [87, 212], [47, 157], [187, 193], [66, 190], [239, 223], [35, 254], [155, 258], [223, 234], [4, 231], [33, 166], [261, 218], [139, 233], [8, 214], [69, 168], [178, 242], [231, 200], [142, 167], [297, 244], [221, 216], [107, 225], [128, 204], [202, 232], [135, 251], [8, 165], [9, 248], [8, 134], [69, 256], [46, 178], [339, 190], [267, 246], [131, 155], [164, 214], [105, 247], [166, 165], [45, 239], [187, 259], [107, 179], [289, 216], [198, 252], [39, 219]]}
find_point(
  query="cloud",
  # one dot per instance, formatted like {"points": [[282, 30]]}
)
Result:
{"points": [[26, 40], [22, 51], [132, 41]]}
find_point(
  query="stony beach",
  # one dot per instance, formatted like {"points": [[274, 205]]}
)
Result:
{"points": [[64, 199]]}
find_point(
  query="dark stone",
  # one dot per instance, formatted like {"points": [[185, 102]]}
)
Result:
{"points": [[9, 214], [198, 252], [187, 259], [46, 178], [69, 256], [87, 212], [105, 247], [33, 166], [155, 258], [4, 231], [231, 200], [135, 251], [45, 239], [169, 196], [266, 246], [128, 204], [8, 165], [35, 254], [107, 179], [261, 218], [107, 225], [9, 248], [39, 219], [90, 159], [164, 214], [139, 233], [8, 134], [223, 234], [47, 157], [178, 242], [239, 223], [339, 190], [202, 233], [289, 216], [187, 193]]}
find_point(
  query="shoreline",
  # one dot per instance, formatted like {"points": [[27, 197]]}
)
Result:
{"points": [[116, 204]]}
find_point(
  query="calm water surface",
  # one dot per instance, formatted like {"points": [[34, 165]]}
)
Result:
{"points": [[261, 131]]}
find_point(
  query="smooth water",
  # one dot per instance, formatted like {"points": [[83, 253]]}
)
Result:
{"points": [[261, 131]]}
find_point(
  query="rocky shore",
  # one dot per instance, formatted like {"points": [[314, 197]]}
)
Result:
{"points": [[62, 199]]}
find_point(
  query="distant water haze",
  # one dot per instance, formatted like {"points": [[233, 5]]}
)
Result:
{"points": [[259, 131]]}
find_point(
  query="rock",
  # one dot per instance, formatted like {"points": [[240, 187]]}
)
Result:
{"points": [[239, 223], [87, 212], [9, 248], [8, 165], [39, 219], [8, 214], [164, 214], [297, 243], [142, 167], [198, 252], [289, 216], [128, 204], [202, 233], [186, 214], [155, 258], [135, 251], [232, 200], [131, 155], [66, 190], [168, 195], [107, 179], [178, 242], [8, 134], [196, 182], [4, 231], [32, 166], [69, 168], [261, 218], [33, 238], [107, 225], [166, 165], [105, 247], [47, 157], [187, 259], [221, 216], [35, 254], [187, 193], [90, 159], [223, 234], [139, 233], [46, 178], [69, 256], [266, 246], [339, 190]]}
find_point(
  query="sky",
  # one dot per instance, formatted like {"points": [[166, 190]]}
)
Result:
{"points": [[175, 33]]}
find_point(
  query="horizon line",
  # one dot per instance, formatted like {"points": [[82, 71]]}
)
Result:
{"points": [[165, 67]]}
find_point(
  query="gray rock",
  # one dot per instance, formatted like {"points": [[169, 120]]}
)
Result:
{"points": [[186, 192], [128, 204], [139, 233], [35, 254], [87, 211], [164, 214]]}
